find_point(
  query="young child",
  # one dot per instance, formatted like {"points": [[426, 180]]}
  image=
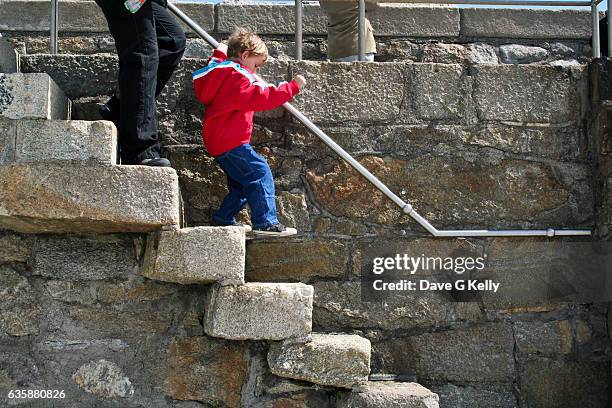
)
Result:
{"points": [[231, 94]]}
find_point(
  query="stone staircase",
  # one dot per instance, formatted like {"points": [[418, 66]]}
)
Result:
{"points": [[60, 176]]}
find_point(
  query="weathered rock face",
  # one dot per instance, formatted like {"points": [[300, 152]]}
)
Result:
{"points": [[20, 313], [520, 54], [105, 379], [206, 370], [337, 360], [32, 96], [272, 311], [79, 198], [389, 394], [196, 255]]}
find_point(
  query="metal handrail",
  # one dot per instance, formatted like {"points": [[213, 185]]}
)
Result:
{"points": [[406, 207]]}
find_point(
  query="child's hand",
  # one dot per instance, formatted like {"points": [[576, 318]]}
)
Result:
{"points": [[223, 48], [301, 81]]}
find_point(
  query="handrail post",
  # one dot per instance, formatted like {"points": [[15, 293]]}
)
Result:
{"points": [[595, 29], [298, 29], [53, 26], [361, 37]]}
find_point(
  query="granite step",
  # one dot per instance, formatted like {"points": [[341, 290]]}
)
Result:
{"points": [[260, 311], [197, 255], [32, 96], [337, 360], [31, 141], [61, 198], [388, 394]]}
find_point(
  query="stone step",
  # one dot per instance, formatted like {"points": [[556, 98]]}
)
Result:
{"points": [[47, 197], [337, 360], [197, 255], [32, 96], [388, 394], [30, 141], [9, 59], [260, 311]]}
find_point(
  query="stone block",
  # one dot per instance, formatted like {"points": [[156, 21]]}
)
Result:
{"points": [[32, 96], [544, 338], [298, 260], [561, 383], [15, 247], [529, 93], [337, 360], [525, 23], [341, 92], [482, 353], [339, 305], [477, 396], [57, 198], [476, 186], [72, 258], [206, 370], [388, 394], [521, 54], [269, 18], [441, 91], [77, 75], [20, 308], [412, 20], [105, 379], [196, 255], [59, 141], [9, 59], [258, 311]]}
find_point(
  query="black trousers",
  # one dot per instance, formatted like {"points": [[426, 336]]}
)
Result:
{"points": [[150, 44]]}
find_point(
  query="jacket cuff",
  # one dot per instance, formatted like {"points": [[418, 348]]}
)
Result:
{"points": [[295, 88], [219, 54]]}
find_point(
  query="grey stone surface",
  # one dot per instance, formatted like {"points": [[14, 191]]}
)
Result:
{"points": [[9, 59], [20, 310], [32, 96], [388, 394], [525, 23], [15, 247], [337, 360], [72, 258], [521, 54], [440, 91], [481, 353], [481, 396], [412, 20], [528, 93], [77, 198], [339, 92], [55, 140], [257, 311], [197, 255], [338, 305], [544, 338], [482, 53], [105, 379], [79, 16], [268, 18], [558, 383]]}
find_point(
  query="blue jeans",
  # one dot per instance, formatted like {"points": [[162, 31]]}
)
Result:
{"points": [[249, 180]]}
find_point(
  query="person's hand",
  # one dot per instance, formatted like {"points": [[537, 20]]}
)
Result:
{"points": [[301, 81], [223, 48]]}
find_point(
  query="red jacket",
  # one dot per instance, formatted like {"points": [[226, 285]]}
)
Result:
{"points": [[231, 95]]}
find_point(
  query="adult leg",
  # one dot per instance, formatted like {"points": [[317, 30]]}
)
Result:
{"points": [[232, 203], [171, 43], [136, 43]]}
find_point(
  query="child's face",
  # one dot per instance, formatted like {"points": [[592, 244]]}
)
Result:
{"points": [[252, 62]]}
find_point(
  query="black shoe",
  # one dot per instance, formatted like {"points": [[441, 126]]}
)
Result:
{"points": [[110, 110], [276, 230], [156, 162]]}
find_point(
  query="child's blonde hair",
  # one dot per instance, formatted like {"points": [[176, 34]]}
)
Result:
{"points": [[243, 40]]}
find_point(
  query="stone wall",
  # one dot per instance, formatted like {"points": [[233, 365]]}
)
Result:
{"points": [[470, 145]]}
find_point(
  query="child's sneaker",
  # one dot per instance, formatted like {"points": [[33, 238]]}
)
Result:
{"points": [[276, 230]]}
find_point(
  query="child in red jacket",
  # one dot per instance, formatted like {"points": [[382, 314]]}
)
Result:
{"points": [[231, 93]]}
